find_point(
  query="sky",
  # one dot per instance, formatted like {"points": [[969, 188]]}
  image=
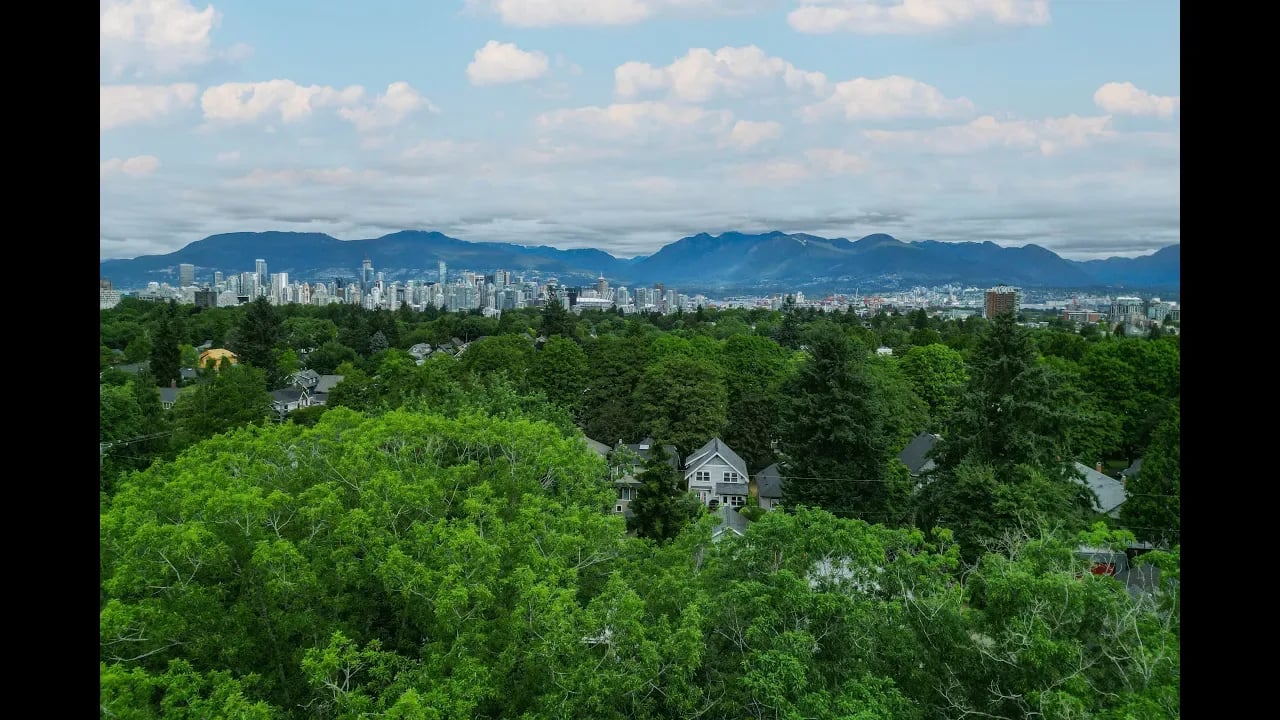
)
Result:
{"points": [[625, 125]]}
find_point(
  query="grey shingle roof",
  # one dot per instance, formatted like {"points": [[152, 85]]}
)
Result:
{"points": [[1132, 470], [1109, 492], [731, 488], [713, 447], [601, 449], [169, 394], [730, 521], [915, 454], [286, 395], [644, 450], [769, 483], [326, 383], [188, 373]]}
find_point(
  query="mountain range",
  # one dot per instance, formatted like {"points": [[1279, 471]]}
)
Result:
{"points": [[729, 262]]}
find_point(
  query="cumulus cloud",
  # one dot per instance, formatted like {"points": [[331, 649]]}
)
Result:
{"points": [[637, 121], [905, 17], [1127, 99], [246, 102], [883, 98], [120, 105], [701, 75], [153, 36], [138, 166], [749, 133], [547, 13], [388, 110], [813, 164], [1048, 136], [497, 63]]}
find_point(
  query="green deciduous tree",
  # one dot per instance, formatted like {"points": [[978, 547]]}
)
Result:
{"points": [[683, 399], [326, 358], [938, 375], [560, 371], [233, 397]]}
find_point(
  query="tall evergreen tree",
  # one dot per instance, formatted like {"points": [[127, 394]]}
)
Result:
{"points": [[1006, 454], [1154, 507], [165, 356], [256, 336], [662, 505], [556, 320], [833, 436]]}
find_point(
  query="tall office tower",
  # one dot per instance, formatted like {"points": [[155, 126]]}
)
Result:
{"points": [[186, 274], [366, 276], [500, 279], [104, 284], [279, 288], [602, 286], [260, 269], [1002, 299], [248, 284], [217, 278], [442, 268], [621, 297]]}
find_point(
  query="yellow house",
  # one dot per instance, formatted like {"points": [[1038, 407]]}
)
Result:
{"points": [[213, 356]]}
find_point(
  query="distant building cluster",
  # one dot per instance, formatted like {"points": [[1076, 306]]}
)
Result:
{"points": [[504, 290]]}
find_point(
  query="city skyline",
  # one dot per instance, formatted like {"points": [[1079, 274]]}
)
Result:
{"points": [[623, 124]]}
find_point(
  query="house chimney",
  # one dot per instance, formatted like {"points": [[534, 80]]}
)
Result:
{"points": [[1098, 467]]}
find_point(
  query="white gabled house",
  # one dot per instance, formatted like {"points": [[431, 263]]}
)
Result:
{"points": [[717, 475]]}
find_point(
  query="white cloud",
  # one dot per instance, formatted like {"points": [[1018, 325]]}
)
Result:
{"points": [[1048, 136], [139, 166], [637, 121], [834, 161], [245, 102], [903, 17], [120, 105], [772, 172], [161, 36], [749, 133], [547, 13], [230, 157], [731, 71], [340, 176], [498, 63], [388, 110], [1127, 99], [883, 98]]}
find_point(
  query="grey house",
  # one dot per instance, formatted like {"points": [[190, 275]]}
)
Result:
{"points": [[916, 454], [716, 474], [769, 487], [1108, 492], [626, 479]]}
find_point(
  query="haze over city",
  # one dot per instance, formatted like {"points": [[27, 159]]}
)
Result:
{"points": [[624, 125]]}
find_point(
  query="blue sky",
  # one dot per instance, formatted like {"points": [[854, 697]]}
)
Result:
{"points": [[628, 124]]}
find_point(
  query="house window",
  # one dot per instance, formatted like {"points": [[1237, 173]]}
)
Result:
{"points": [[626, 493], [617, 508], [702, 476], [732, 477], [702, 496], [736, 500]]}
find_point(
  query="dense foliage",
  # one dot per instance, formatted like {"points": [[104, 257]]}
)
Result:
{"points": [[437, 540]]}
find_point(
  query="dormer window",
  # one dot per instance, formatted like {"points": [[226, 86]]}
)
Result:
{"points": [[732, 477]]}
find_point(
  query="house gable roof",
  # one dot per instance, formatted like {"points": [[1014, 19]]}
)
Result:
{"points": [[326, 383], [1132, 470], [644, 449], [769, 483], [731, 521], [915, 454], [600, 448], [287, 395], [1109, 492], [710, 450]]}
